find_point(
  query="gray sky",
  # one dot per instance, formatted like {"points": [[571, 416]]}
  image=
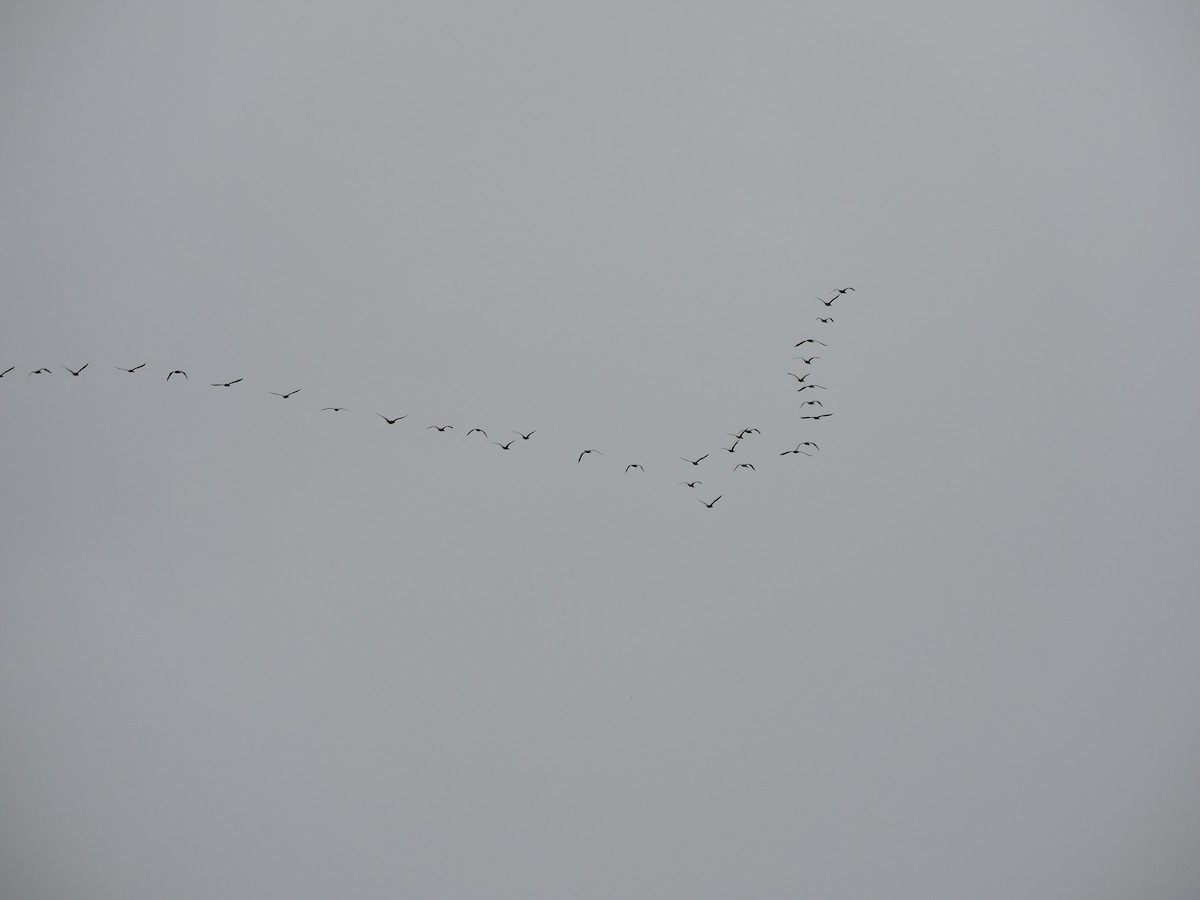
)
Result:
{"points": [[253, 649]]}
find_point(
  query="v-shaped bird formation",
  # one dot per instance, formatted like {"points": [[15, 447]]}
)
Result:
{"points": [[802, 381]]}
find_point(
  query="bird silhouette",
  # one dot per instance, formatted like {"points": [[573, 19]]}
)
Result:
{"points": [[800, 378], [827, 302], [439, 427], [391, 421], [797, 450], [821, 416], [500, 445], [808, 361], [6, 371], [480, 430], [812, 403], [134, 369], [825, 319], [691, 484], [526, 437], [805, 387], [226, 383], [731, 449], [41, 371], [749, 466], [806, 444], [334, 409], [285, 396], [811, 341], [715, 499], [176, 372], [76, 372], [841, 291], [632, 466], [585, 453], [695, 462]]}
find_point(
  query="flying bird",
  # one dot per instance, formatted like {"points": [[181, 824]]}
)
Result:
{"points": [[812, 403], [797, 450], [134, 369], [76, 372], [749, 466], [825, 319], [176, 372], [285, 396], [526, 437], [481, 431], [715, 499], [226, 383], [632, 466], [391, 421], [799, 378], [808, 361], [497, 443], [695, 462], [585, 453], [438, 427], [691, 484], [805, 387], [811, 341], [41, 371], [806, 444], [821, 416], [827, 302], [842, 290], [6, 371], [731, 449], [334, 408]]}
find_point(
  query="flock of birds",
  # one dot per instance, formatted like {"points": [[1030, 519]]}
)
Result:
{"points": [[812, 410]]}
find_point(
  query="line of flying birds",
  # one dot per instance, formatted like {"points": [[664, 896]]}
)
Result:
{"points": [[739, 436]]}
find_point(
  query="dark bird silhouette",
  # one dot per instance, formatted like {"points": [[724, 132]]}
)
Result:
{"points": [[526, 437], [808, 361], [821, 416], [715, 499], [751, 431], [797, 450], [176, 372], [285, 396], [806, 444], [691, 484], [500, 445], [805, 387], [134, 369], [226, 383], [800, 378], [695, 462], [585, 453], [76, 372], [811, 341], [826, 320], [812, 403], [334, 409], [480, 430], [632, 466], [840, 291], [827, 302], [438, 427], [749, 466], [41, 371], [731, 449], [6, 371], [391, 421]]}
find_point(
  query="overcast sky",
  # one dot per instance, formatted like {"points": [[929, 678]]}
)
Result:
{"points": [[250, 648]]}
